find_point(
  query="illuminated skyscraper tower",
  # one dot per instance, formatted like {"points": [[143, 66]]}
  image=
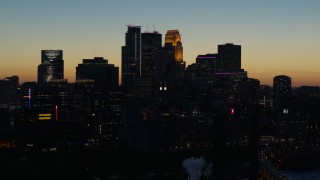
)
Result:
{"points": [[51, 66], [173, 39]]}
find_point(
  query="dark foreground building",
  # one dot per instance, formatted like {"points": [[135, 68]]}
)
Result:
{"points": [[104, 75]]}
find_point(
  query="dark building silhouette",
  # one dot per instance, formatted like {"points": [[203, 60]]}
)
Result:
{"points": [[164, 61], [236, 78], [54, 98], [200, 78], [9, 101], [9, 96], [204, 68], [169, 75], [97, 98], [131, 57], [249, 91], [281, 92], [83, 100], [51, 67], [208, 64], [105, 76], [144, 85], [230, 57], [150, 43], [266, 96], [220, 90]]}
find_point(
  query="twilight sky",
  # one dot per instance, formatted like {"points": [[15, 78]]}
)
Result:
{"points": [[277, 37]]}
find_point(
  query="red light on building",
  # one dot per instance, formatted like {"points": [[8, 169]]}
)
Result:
{"points": [[56, 113], [232, 110]]}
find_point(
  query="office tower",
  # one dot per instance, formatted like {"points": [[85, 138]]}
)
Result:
{"points": [[173, 39], [235, 80], [45, 72], [249, 91], [220, 89], [53, 101], [150, 43], [282, 92], [144, 84], [207, 66], [131, 57], [265, 95], [230, 57], [51, 66], [105, 75], [9, 88], [55, 57], [199, 78], [83, 98], [164, 61]]}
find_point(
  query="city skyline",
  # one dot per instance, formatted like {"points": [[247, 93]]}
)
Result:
{"points": [[276, 37]]}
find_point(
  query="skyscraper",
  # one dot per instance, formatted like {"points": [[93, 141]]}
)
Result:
{"points": [[207, 66], [45, 72], [230, 57], [105, 75], [144, 84], [131, 57], [281, 92], [150, 43], [9, 92], [173, 39], [51, 66]]}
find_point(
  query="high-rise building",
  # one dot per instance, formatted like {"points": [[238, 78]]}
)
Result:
{"points": [[45, 72], [51, 66], [53, 101], [173, 39], [265, 95], [249, 91], [9, 88], [282, 92], [207, 65], [150, 43], [131, 57], [144, 84], [230, 57], [105, 76]]}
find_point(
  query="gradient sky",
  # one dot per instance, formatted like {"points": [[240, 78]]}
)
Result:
{"points": [[277, 36]]}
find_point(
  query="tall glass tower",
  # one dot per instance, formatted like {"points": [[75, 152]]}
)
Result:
{"points": [[51, 66], [150, 43], [131, 57]]}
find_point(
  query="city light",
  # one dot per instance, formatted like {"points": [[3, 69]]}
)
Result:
{"points": [[56, 113], [232, 111]]}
